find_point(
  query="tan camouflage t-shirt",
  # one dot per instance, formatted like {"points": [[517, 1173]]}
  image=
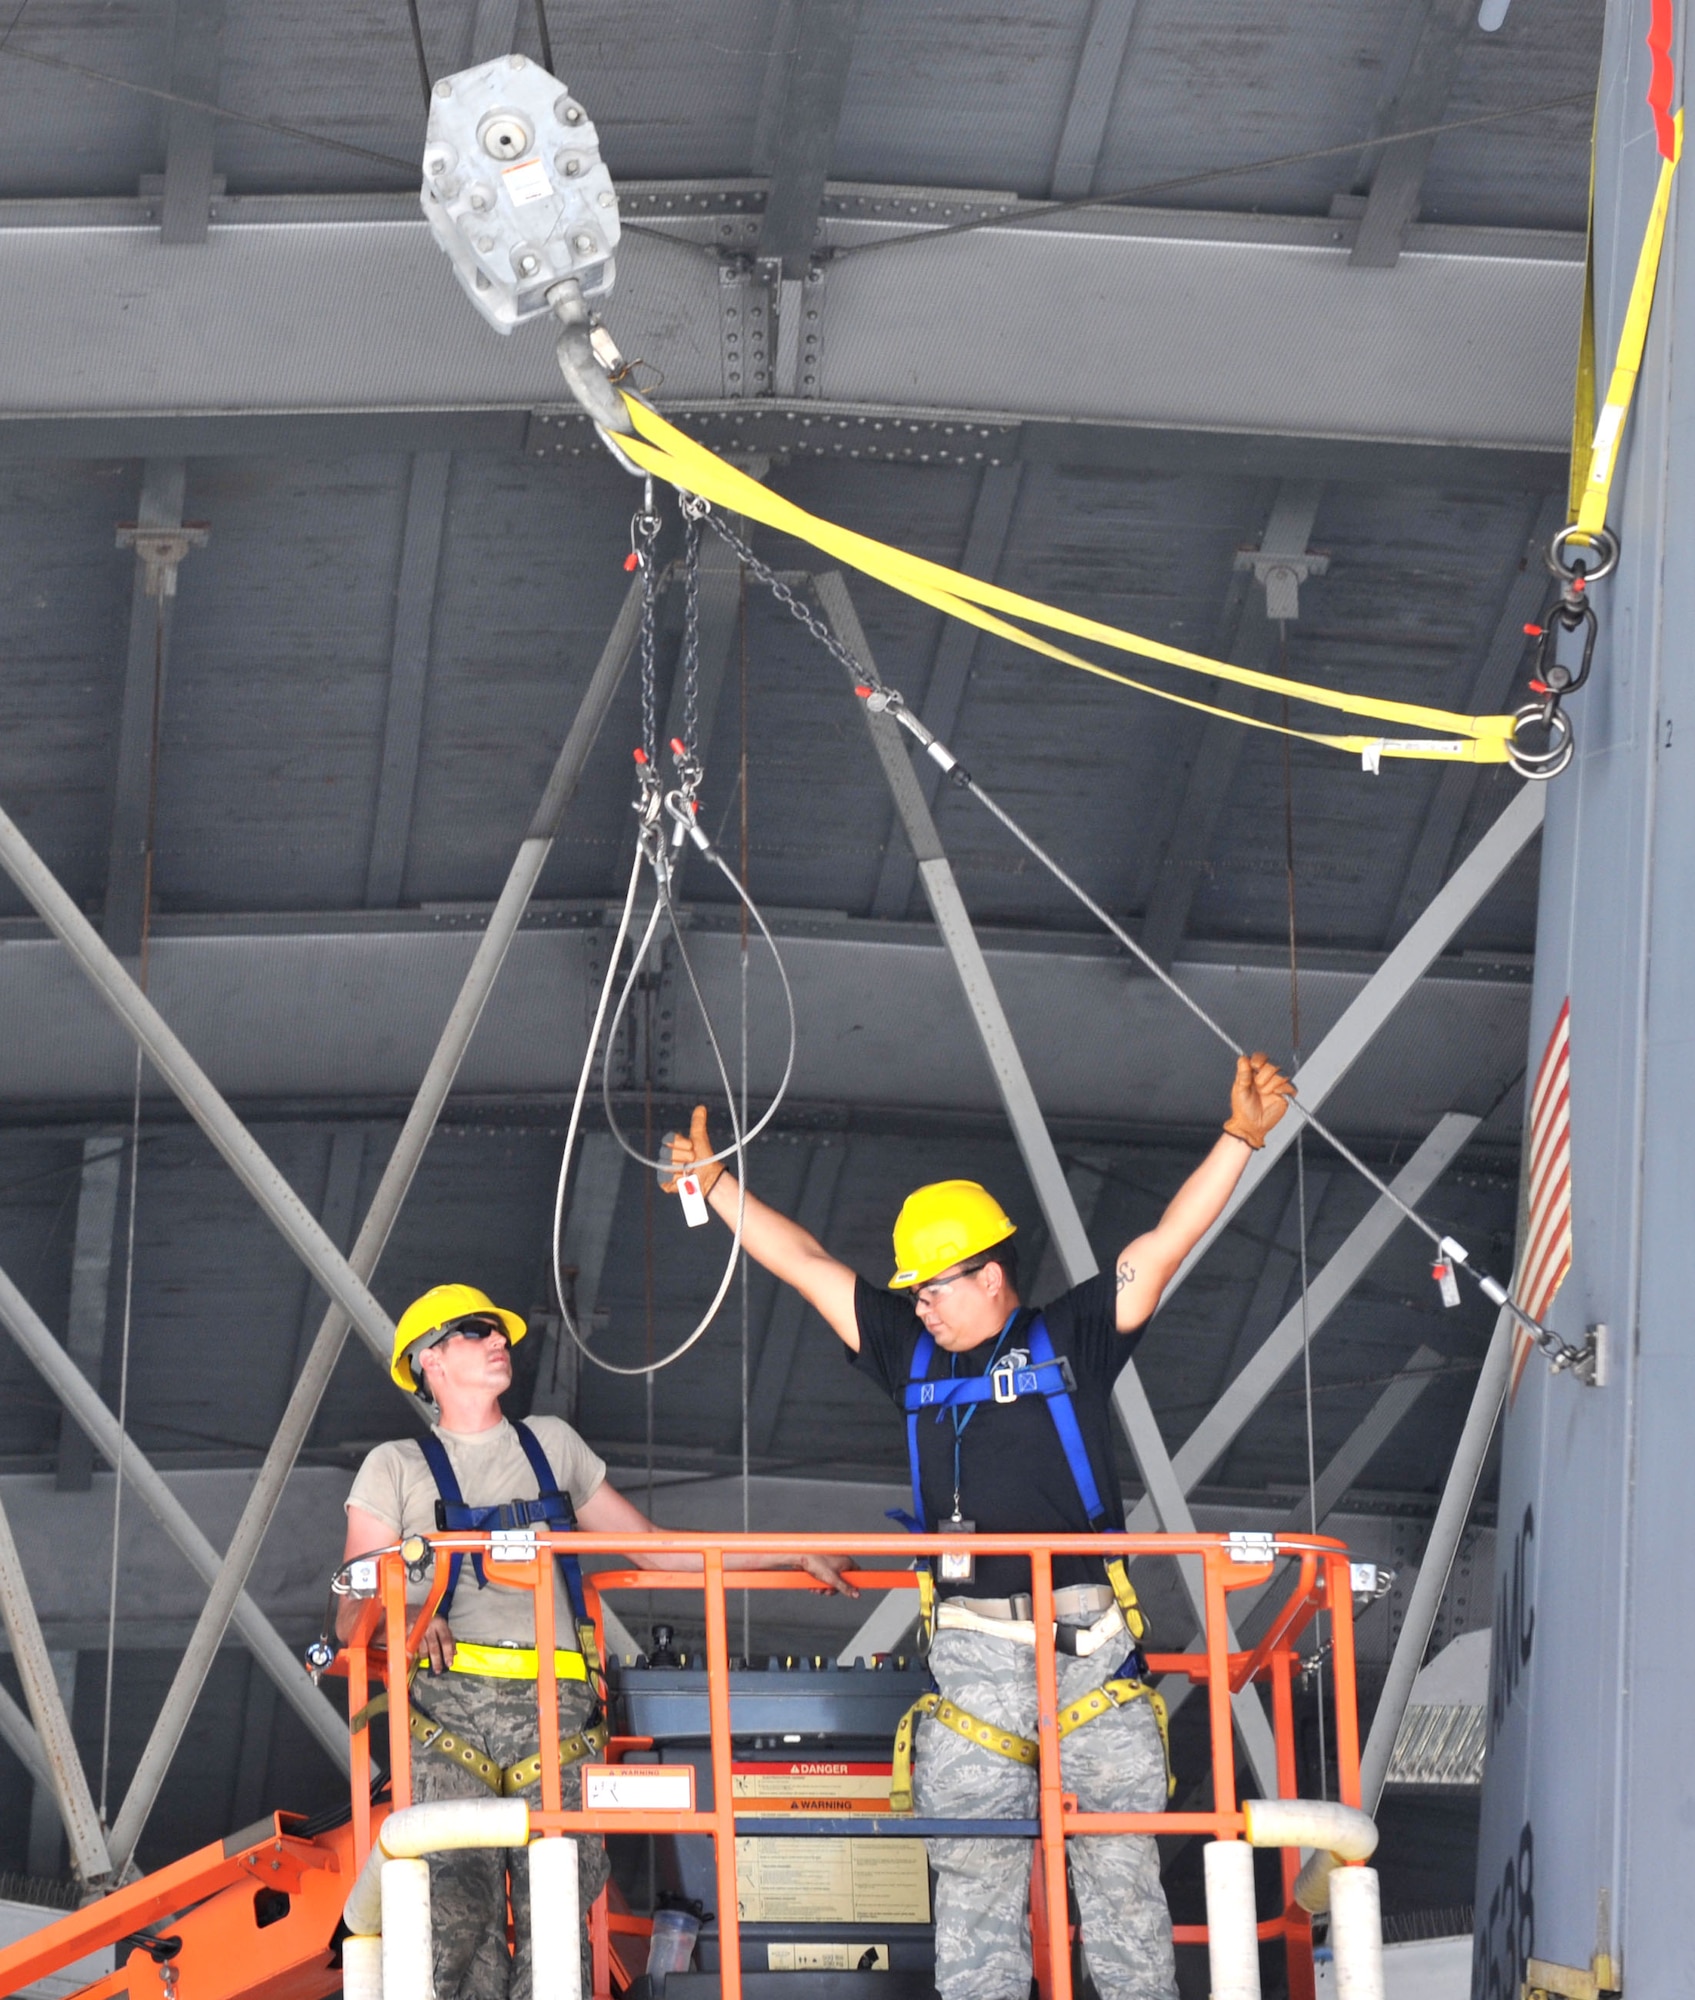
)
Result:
{"points": [[395, 1484]]}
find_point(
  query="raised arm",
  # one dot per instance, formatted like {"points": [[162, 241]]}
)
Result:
{"points": [[787, 1251], [1258, 1098]]}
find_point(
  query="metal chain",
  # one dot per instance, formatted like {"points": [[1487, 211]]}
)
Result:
{"points": [[788, 600], [644, 536], [688, 764]]}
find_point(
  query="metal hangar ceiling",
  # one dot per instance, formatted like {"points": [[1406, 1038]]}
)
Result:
{"points": [[1100, 301]]}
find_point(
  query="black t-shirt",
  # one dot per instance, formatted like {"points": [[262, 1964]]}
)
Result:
{"points": [[1013, 1475]]}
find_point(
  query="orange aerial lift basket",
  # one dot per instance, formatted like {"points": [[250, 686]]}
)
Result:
{"points": [[257, 1916]]}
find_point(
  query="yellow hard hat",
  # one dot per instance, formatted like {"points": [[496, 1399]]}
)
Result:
{"points": [[441, 1306], [943, 1224]]}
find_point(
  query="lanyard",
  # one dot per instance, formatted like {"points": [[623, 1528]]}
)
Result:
{"points": [[961, 1420]]}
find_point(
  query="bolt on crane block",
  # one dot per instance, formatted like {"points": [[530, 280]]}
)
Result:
{"points": [[515, 191]]}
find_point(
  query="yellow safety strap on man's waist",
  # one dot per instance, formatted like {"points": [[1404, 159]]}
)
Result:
{"points": [[508, 1780], [667, 452], [513, 1663], [1007, 1743], [1633, 338]]}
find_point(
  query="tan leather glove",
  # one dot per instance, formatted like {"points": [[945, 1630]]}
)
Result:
{"points": [[685, 1152], [1258, 1098]]}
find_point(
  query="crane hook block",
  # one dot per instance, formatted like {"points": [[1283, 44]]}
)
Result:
{"points": [[516, 192]]}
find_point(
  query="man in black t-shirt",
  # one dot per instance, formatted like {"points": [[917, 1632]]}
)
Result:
{"points": [[1015, 1457]]}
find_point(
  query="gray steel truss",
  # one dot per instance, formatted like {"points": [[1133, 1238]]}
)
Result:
{"points": [[1278, 1353], [47, 1708], [1371, 1008], [231, 1575], [1035, 1144], [68, 1383]]}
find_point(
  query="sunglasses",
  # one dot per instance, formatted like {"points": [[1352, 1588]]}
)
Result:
{"points": [[479, 1328]]}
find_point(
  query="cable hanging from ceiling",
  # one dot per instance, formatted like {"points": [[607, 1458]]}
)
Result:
{"points": [[667, 817]]}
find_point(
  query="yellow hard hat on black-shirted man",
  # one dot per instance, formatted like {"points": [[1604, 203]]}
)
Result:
{"points": [[943, 1224], [434, 1316]]}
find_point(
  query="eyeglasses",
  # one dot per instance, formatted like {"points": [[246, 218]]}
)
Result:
{"points": [[926, 1293]]}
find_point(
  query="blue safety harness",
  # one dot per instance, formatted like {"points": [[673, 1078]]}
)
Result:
{"points": [[550, 1508], [1046, 1374]]}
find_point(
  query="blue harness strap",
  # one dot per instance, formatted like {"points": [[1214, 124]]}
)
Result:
{"points": [[550, 1508], [1048, 1375]]}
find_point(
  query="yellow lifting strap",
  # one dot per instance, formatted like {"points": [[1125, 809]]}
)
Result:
{"points": [[1005, 1743], [1590, 505], [665, 451]]}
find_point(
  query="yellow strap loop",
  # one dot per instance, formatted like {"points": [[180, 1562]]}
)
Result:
{"points": [[1633, 338], [665, 451], [1005, 1742], [1128, 1602]]}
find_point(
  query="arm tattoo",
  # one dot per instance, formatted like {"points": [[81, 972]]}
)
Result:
{"points": [[1126, 1276]]}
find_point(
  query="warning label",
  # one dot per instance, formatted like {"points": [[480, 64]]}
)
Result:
{"points": [[832, 1882], [814, 1787]]}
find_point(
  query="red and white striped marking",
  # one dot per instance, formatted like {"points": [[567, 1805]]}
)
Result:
{"points": [[1546, 1255]]}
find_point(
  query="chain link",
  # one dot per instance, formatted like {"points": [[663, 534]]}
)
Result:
{"points": [[688, 765], [644, 528], [790, 603]]}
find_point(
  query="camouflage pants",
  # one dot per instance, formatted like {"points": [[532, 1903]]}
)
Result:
{"points": [[469, 1888], [1114, 1763]]}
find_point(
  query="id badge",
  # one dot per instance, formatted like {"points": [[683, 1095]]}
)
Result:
{"points": [[957, 1566]]}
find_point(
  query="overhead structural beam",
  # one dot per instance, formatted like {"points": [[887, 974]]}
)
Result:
{"points": [[1389, 985], [1247, 639], [86, 1318], [1281, 1348], [1029, 1129], [47, 1709], [944, 693], [229, 1578], [67, 1382], [1458, 1492], [1094, 86], [408, 675], [824, 34], [189, 1081], [47, 1844], [197, 31], [1498, 684], [146, 653], [1249, 324], [1392, 205]]}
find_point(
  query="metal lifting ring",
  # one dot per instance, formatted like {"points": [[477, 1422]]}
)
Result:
{"points": [[1562, 746], [1602, 543]]}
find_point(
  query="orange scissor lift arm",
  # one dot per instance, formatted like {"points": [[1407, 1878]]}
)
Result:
{"points": [[235, 1943]]}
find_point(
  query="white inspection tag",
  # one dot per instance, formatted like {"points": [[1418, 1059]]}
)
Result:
{"points": [[695, 1210], [525, 182], [362, 1578], [1443, 1273], [638, 1787]]}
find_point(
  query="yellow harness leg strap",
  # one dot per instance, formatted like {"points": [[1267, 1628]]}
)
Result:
{"points": [[1005, 1742], [504, 1780]]}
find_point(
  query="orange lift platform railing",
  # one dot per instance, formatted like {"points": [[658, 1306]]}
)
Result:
{"points": [[256, 1917]]}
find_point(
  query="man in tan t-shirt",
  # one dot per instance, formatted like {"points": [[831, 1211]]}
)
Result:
{"points": [[474, 1702]]}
